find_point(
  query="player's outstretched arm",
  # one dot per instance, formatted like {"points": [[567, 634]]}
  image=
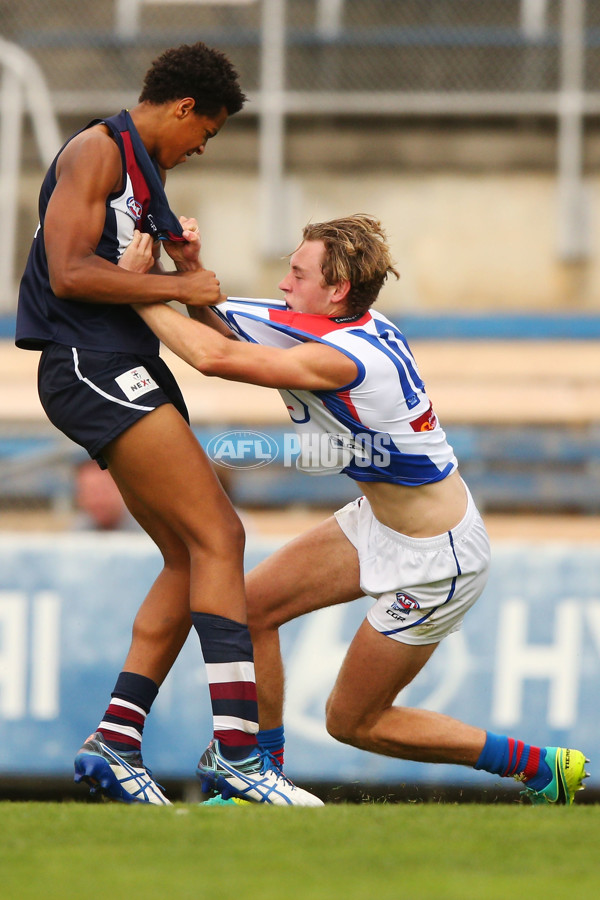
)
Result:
{"points": [[311, 366]]}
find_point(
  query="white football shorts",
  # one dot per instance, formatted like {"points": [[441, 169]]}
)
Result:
{"points": [[422, 586]]}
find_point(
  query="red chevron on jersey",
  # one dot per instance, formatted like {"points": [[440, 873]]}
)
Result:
{"points": [[141, 191], [346, 399], [317, 325]]}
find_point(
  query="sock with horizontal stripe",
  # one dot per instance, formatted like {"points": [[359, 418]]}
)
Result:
{"points": [[122, 725], [272, 740], [229, 658], [508, 757]]}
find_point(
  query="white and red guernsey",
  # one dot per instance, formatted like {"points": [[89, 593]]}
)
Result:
{"points": [[381, 426]]}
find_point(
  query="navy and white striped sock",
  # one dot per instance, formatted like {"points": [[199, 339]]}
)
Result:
{"points": [[227, 650], [122, 726]]}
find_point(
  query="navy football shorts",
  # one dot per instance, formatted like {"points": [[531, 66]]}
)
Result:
{"points": [[93, 397]]}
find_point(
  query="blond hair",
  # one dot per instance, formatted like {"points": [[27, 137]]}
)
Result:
{"points": [[356, 250]]}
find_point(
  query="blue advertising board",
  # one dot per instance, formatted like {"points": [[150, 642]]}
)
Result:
{"points": [[526, 663]]}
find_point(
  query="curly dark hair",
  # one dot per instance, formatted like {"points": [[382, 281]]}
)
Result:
{"points": [[198, 71], [356, 250]]}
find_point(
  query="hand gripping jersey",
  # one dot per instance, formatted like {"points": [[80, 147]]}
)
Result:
{"points": [[381, 427], [140, 204]]}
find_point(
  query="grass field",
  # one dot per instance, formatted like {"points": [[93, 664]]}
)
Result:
{"points": [[374, 850]]}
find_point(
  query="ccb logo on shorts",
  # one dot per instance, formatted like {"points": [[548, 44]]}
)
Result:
{"points": [[134, 208], [403, 601], [242, 449]]}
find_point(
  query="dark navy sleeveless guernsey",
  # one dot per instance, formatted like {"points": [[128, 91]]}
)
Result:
{"points": [[141, 204]]}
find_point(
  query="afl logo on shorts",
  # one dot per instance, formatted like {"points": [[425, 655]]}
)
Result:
{"points": [[403, 601], [134, 208]]}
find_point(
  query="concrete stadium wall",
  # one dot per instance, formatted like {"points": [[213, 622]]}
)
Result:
{"points": [[461, 242], [471, 210]]}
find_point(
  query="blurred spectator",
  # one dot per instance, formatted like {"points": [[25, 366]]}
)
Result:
{"points": [[98, 502]]}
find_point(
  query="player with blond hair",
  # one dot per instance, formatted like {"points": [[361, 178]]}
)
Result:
{"points": [[414, 541]]}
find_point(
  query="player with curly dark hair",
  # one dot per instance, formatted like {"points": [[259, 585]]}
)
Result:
{"points": [[102, 382], [203, 73]]}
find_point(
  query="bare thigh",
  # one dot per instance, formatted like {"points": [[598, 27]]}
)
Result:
{"points": [[163, 469], [170, 486], [315, 570]]}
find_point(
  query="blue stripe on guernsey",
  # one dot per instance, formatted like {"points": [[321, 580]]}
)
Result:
{"points": [[260, 303], [386, 331], [409, 378], [423, 471], [299, 419], [227, 315], [385, 408], [435, 608], [232, 320], [227, 320], [404, 468]]}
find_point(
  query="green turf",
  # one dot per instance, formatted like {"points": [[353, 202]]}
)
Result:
{"points": [[404, 851]]}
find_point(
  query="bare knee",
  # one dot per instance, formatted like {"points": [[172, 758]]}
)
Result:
{"points": [[220, 535], [344, 728], [229, 536], [167, 623], [166, 608], [264, 613]]}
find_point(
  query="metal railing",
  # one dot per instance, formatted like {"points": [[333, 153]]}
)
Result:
{"points": [[23, 90]]}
